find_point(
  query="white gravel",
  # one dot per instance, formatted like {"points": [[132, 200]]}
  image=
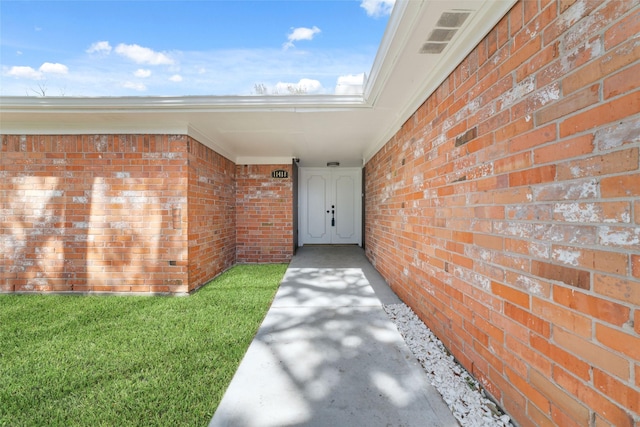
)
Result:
{"points": [[460, 391]]}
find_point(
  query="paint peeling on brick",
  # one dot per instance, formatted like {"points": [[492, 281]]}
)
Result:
{"points": [[448, 124], [619, 236], [573, 14], [624, 132], [530, 285], [559, 233], [566, 256], [100, 142], [548, 94], [532, 32], [476, 279], [566, 190], [538, 249], [577, 212], [518, 92], [439, 140], [517, 229], [468, 110]]}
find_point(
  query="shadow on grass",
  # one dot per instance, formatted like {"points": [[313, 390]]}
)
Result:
{"points": [[107, 360]]}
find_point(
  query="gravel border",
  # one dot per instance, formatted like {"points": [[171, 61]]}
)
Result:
{"points": [[462, 393]]}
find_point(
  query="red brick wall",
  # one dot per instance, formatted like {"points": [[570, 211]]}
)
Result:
{"points": [[264, 214], [132, 213], [506, 212], [212, 215], [93, 213]]}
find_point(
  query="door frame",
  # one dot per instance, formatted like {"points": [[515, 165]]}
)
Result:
{"points": [[295, 198], [358, 204]]}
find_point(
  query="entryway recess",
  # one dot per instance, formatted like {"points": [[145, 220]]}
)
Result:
{"points": [[330, 206]]}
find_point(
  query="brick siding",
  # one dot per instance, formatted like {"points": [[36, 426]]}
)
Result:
{"points": [[130, 213], [505, 212], [264, 214], [93, 213], [212, 214]]}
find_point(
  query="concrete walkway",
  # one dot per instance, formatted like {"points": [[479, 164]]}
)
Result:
{"points": [[327, 354]]}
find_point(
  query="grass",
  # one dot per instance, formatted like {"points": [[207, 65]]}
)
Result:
{"points": [[109, 360]]}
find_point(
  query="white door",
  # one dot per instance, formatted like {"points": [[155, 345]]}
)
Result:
{"points": [[330, 206]]}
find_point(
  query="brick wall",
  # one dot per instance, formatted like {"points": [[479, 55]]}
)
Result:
{"points": [[212, 215], [506, 212], [264, 214], [93, 213], [133, 213]]}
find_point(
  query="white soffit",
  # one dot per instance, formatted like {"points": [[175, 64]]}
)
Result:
{"points": [[271, 129]]}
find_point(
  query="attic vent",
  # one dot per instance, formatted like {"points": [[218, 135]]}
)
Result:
{"points": [[433, 47], [452, 19], [447, 26], [441, 35]]}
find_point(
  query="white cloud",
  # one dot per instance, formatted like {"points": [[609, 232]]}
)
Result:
{"points": [[140, 87], [377, 8], [176, 78], [100, 47], [300, 33], [24, 73], [214, 72], [142, 73], [303, 87], [56, 68], [143, 55], [350, 84]]}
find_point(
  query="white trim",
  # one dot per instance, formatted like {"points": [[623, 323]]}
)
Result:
{"points": [[382, 64], [244, 160], [190, 104]]}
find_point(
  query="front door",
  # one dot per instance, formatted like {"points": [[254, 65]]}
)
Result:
{"points": [[330, 206]]}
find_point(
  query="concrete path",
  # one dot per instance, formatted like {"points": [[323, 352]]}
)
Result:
{"points": [[327, 355]]}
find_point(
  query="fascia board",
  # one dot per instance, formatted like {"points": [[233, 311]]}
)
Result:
{"points": [[399, 28], [249, 160], [189, 104]]}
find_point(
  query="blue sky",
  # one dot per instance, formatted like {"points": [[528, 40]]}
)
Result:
{"points": [[176, 48]]}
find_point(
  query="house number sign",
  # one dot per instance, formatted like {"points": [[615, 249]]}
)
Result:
{"points": [[280, 173]]}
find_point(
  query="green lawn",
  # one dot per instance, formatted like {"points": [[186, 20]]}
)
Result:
{"points": [[114, 361]]}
